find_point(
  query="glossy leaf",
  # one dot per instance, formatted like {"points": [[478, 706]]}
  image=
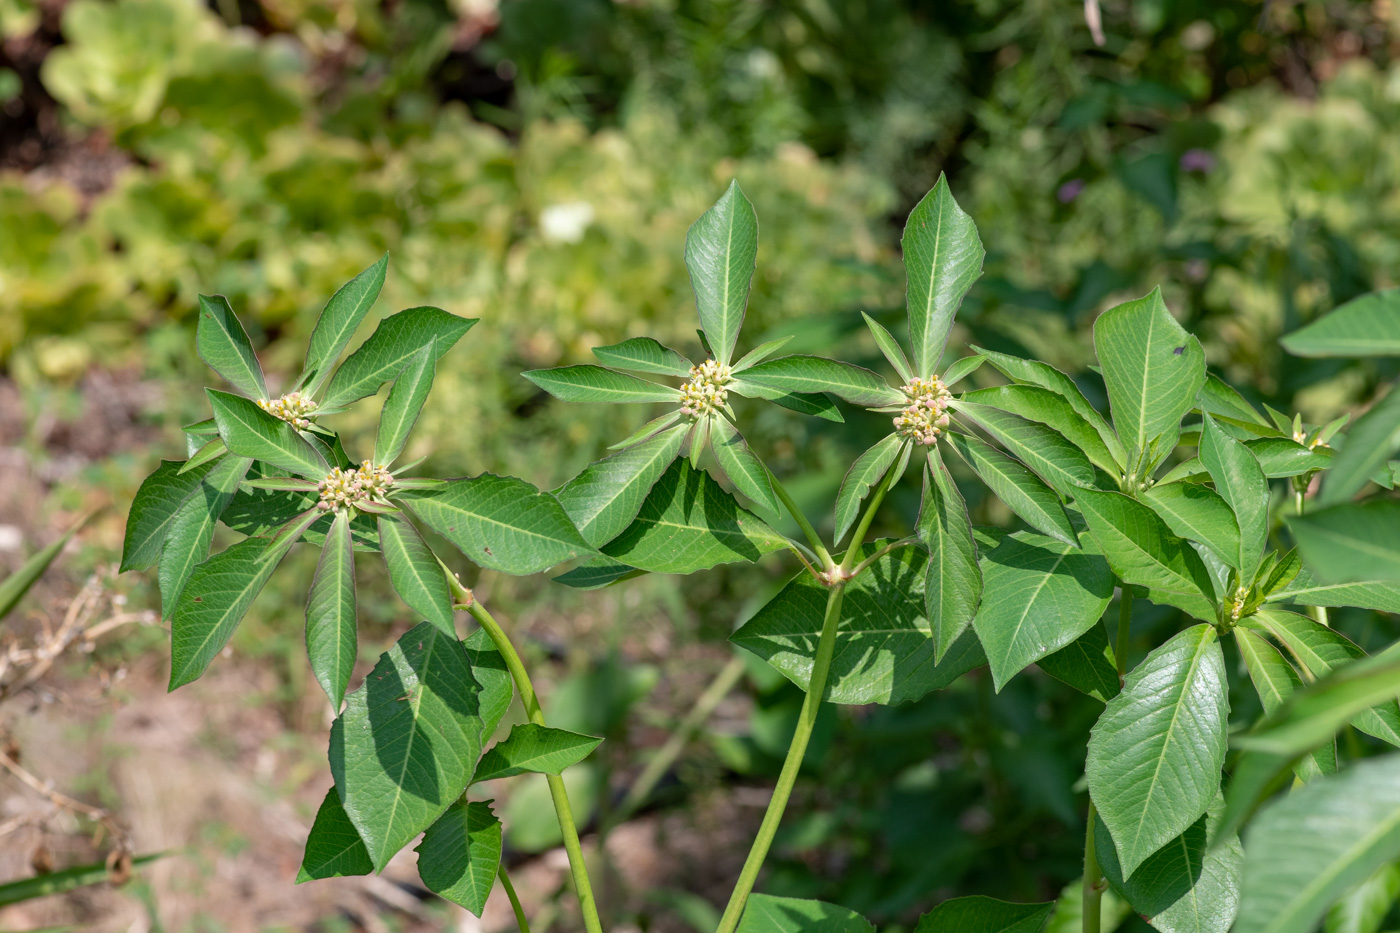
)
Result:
{"points": [[644, 355], [869, 468], [208, 453], [963, 368], [191, 530], [415, 573], [721, 249], [159, 498], [1197, 513], [942, 258], [741, 465], [338, 323], [402, 407], [604, 499], [1053, 458], [1240, 481], [1365, 326], [334, 848], [767, 914], [251, 432], [1372, 440], [589, 383], [808, 375], [889, 347], [1086, 664], [1275, 681], [1017, 487], [1283, 456], [979, 914], [461, 853], [397, 338], [952, 578], [822, 406], [1042, 405], [224, 345], [330, 613], [598, 573], [1351, 542], [531, 747], [1305, 589], [761, 352]]}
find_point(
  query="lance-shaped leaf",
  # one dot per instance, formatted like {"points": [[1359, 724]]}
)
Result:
{"points": [[406, 745], [815, 374], [334, 848], [598, 573], [1240, 481], [1156, 752], [1036, 373], [1197, 513], [499, 522], [644, 355], [963, 368], [952, 577], [1275, 681], [1187, 886], [1355, 541], [14, 586], [1038, 595], [191, 530], [1086, 664], [1364, 909], [1219, 398], [1365, 326], [1372, 441], [741, 465], [460, 854], [208, 453], [979, 914], [1152, 367], [884, 646], [414, 572], [822, 406], [159, 498], [1017, 487], [1142, 550], [251, 432], [224, 345], [890, 347], [942, 258], [768, 914], [604, 499], [338, 321], [531, 747], [1042, 405], [1306, 850], [402, 407], [869, 468], [1306, 589], [589, 383], [330, 613], [1043, 449], [721, 250], [397, 338], [689, 523], [760, 353]]}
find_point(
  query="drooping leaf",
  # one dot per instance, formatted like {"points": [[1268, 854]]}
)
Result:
{"points": [[1275, 680], [1038, 596], [1017, 487], [644, 355], [822, 406], [1086, 664], [767, 914], [402, 407], [1240, 481], [334, 849], [1351, 542], [460, 854], [869, 468], [159, 498], [741, 465], [884, 647], [414, 572], [1054, 459], [1035, 403], [397, 338], [1371, 594], [979, 914], [1365, 326], [224, 345], [1364, 909], [330, 613], [721, 250], [408, 741], [689, 523], [604, 499], [338, 322], [1152, 367], [589, 383], [531, 747], [191, 530], [1197, 513], [942, 258], [952, 577], [14, 586], [889, 347], [810, 375], [1156, 752], [1372, 441], [499, 522], [251, 432]]}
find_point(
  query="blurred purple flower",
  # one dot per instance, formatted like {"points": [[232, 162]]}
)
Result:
{"points": [[1197, 160], [1070, 190]]}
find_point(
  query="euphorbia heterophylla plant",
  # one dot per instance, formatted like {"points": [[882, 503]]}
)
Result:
{"points": [[1169, 498]]}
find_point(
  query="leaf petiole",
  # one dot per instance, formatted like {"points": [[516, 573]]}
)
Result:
{"points": [[811, 533]]}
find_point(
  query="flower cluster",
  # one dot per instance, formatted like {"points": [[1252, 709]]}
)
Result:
{"points": [[927, 413], [293, 408], [344, 489], [1302, 438], [1234, 604], [706, 391]]}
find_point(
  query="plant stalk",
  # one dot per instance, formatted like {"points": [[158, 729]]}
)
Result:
{"points": [[811, 533], [1093, 879], [858, 538], [1125, 619], [520, 920], [1319, 613]]}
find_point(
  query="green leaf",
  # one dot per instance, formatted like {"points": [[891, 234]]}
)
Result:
{"points": [[884, 647], [689, 523], [984, 915], [531, 747], [1370, 443], [258, 513], [1038, 596], [869, 468], [809, 375], [1156, 752], [890, 347], [330, 613], [497, 686], [721, 249], [210, 452], [1086, 664], [191, 530], [1219, 398], [819, 405], [1365, 326], [1283, 456], [596, 574], [408, 741], [338, 322], [1198, 513], [760, 353], [1053, 458], [644, 355], [942, 258], [767, 914], [962, 369], [159, 498], [604, 499], [1365, 908], [1019, 488], [334, 849], [1275, 681], [589, 383], [1351, 542], [1305, 589], [1035, 403], [402, 407], [1240, 481], [397, 338], [499, 522], [13, 587], [741, 465], [1187, 886], [460, 854], [251, 432], [1152, 367], [414, 572], [224, 345], [1304, 851], [952, 577], [1142, 550]]}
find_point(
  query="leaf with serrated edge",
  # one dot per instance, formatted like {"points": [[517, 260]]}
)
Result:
{"points": [[942, 258], [402, 407], [224, 345], [330, 613], [1016, 486], [1086, 664], [414, 572], [952, 578], [814, 374], [869, 468], [721, 249], [1197, 512], [251, 432], [603, 499], [338, 322], [589, 383], [979, 914], [1040, 447], [461, 853], [154, 508], [1370, 594], [804, 403], [191, 531], [741, 465], [380, 358], [1365, 326], [1036, 403], [1156, 752], [644, 355], [767, 914], [889, 347], [531, 747], [760, 353], [1240, 481], [334, 848]]}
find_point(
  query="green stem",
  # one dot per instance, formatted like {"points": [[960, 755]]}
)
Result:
{"points": [[858, 538], [806, 720], [1319, 613], [1125, 618], [811, 533], [902, 542], [520, 920], [1093, 878]]}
